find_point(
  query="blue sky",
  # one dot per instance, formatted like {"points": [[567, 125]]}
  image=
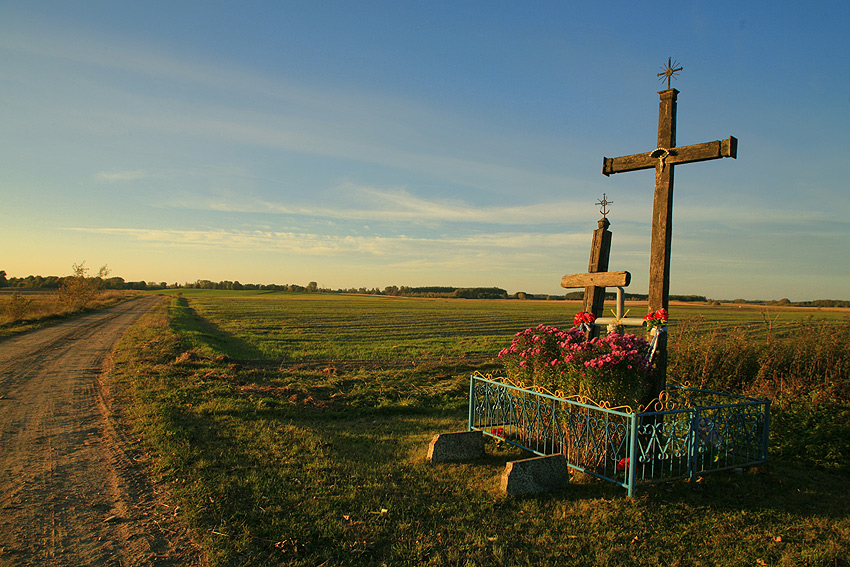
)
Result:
{"points": [[422, 143]]}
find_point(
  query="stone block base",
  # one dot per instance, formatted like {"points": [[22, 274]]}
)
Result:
{"points": [[535, 475], [460, 446]]}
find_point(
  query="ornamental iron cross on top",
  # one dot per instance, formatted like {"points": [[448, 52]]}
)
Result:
{"points": [[663, 159]]}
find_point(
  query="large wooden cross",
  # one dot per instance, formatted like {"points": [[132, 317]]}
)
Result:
{"points": [[664, 159]]}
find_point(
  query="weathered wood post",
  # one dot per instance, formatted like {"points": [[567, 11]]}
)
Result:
{"points": [[664, 158], [600, 251]]}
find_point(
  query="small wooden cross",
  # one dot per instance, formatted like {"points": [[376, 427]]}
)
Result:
{"points": [[597, 279], [663, 158]]}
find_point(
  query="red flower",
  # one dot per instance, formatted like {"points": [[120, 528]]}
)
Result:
{"points": [[623, 464], [583, 317], [499, 432], [657, 319]]}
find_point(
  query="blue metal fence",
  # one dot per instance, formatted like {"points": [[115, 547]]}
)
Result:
{"points": [[691, 433]]}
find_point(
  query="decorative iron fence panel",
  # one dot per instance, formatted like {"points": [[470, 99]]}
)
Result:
{"points": [[693, 433]]}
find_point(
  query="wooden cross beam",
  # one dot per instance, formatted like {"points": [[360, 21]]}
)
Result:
{"points": [[594, 284], [685, 154], [597, 279]]}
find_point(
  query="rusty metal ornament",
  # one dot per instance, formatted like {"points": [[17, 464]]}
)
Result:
{"points": [[669, 72], [604, 202]]}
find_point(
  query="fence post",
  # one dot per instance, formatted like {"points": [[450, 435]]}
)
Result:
{"points": [[632, 469], [554, 426], [693, 442], [766, 445], [471, 400]]}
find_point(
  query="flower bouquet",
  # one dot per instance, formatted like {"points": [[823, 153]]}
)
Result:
{"points": [[583, 320], [656, 320]]}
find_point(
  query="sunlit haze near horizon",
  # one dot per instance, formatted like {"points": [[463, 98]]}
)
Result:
{"points": [[369, 144]]}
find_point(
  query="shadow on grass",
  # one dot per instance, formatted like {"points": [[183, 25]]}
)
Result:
{"points": [[783, 487], [206, 335]]}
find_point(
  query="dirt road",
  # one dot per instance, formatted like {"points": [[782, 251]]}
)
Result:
{"points": [[71, 492]]}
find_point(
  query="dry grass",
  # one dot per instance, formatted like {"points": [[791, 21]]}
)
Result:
{"points": [[25, 310]]}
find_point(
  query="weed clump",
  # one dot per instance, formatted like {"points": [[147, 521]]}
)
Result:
{"points": [[803, 369], [808, 362]]}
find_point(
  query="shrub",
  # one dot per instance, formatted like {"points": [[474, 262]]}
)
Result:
{"points": [[712, 358], [78, 290], [17, 307]]}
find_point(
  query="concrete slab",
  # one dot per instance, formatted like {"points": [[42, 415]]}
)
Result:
{"points": [[535, 475], [458, 446]]}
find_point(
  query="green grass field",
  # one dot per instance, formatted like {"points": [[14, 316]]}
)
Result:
{"points": [[282, 326], [292, 430]]}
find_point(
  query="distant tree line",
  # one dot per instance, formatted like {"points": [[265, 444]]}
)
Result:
{"points": [[641, 296], [117, 283], [815, 303], [56, 282], [446, 291]]}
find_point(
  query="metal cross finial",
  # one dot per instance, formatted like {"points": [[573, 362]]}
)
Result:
{"points": [[604, 202], [669, 71]]}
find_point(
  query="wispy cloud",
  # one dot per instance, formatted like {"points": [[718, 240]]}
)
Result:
{"points": [[352, 136], [120, 176], [281, 114], [764, 215], [365, 203], [318, 244], [422, 259]]}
